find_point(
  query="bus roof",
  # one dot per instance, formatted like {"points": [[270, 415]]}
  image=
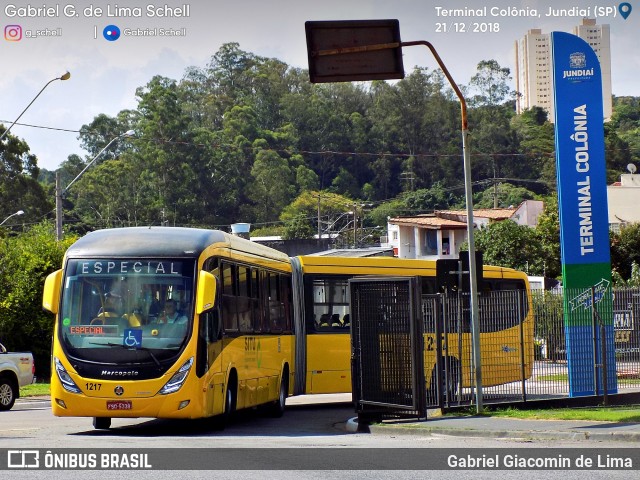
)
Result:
{"points": [[392, 265], [162, 242]]}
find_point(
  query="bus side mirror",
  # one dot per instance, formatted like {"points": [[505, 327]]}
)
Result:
{"points": [[51, 294], [206, 294]]}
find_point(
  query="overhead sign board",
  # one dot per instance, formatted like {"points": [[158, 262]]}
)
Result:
{"points": [[377, 51]]}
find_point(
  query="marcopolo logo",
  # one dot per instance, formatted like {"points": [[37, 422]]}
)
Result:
{"points": [[578, 70], [111, 33]]}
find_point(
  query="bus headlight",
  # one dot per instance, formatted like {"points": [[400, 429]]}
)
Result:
{"points": [[178, 379], [66, 380]]}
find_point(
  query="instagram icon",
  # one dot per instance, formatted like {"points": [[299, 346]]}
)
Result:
{"points": [[13, 33]]}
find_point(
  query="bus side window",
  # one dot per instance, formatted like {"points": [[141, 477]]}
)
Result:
{"points": [[244, 306], [254, 294], [287, 302], [264, 300], [275, 303], [229, 308]]}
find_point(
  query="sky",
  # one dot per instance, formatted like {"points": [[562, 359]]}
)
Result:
{"points": [[105, 74]]}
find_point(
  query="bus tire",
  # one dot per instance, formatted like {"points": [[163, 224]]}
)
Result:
{"points": [[277, 408], [230, 399], [219, 422], [102, 423], [8, 392]]}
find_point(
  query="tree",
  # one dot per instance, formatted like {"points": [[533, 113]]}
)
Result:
{"points": [[426, 200], [625, 249], [380, 214], [490, 84], [25, 261], [19, 188], [507, 195], [494, 141], [508, 244], [97, 134], [345, 183], [548, 230], [273, 185], [306, 179], [535, 138], [298, 227], [322, 206]]}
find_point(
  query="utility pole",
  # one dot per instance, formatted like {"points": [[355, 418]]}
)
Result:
{"points": [[355, 226], [58, 207], [319, 228], [410, 177]]}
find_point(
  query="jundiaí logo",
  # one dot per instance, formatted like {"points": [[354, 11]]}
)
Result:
{"points": [[578, 70]]}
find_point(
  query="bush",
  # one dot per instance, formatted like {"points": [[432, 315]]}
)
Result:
{"points": [[25, 262]]}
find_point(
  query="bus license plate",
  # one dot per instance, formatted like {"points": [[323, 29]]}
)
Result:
{"points": [[119, 405]]}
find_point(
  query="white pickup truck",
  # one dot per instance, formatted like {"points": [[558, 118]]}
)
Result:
{"points": [[16, 370]]}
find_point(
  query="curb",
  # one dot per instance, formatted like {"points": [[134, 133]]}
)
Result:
{"points": [[516, 435]]}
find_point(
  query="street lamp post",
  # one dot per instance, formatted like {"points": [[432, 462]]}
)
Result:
{"points": [[66, 76], [19, 212], [60, 192]]}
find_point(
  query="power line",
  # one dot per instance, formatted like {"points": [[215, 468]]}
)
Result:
{"points": [[43, 127]]}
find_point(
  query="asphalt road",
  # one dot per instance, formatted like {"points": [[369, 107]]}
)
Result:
{"points": [[307, 434]]}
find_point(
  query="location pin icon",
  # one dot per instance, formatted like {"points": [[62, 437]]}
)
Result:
{"points": [[624, 9]]}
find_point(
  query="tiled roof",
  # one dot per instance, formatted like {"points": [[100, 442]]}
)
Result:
{"points": [[428, 221], [491, 213]]}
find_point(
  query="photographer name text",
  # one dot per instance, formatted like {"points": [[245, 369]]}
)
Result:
{"points": [[91, 11]]}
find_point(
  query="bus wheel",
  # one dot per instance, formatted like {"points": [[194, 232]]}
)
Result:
{"points": [[229, 402], [277, 408], [8, 393], [101, 423], [219, 422]]}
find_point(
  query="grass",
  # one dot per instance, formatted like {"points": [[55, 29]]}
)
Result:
{"points": [[564, 377], [603, 414], [35, 390]]}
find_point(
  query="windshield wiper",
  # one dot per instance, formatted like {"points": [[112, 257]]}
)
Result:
{"points": [[146, 349]]}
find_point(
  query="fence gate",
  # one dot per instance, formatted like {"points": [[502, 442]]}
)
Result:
{"points": [[387, 347]]}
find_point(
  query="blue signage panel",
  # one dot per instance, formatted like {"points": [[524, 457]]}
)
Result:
{"points": [[584, 219], [582, 187]]}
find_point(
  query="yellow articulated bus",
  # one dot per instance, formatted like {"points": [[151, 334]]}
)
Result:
{"points": [[506, 331], [170, 323]]}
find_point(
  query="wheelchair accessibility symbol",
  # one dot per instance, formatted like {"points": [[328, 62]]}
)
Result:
{"points": [[132, 338]]}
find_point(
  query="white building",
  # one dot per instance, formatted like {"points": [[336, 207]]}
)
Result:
{"points": [[534, 78], [623, 198], [442, 233]]}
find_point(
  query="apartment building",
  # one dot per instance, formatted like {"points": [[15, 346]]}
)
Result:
{"points": [[533, 74]]}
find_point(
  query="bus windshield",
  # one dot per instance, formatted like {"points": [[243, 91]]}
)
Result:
{"points": [[126, 310]]}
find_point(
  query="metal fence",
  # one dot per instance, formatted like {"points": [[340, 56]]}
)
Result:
{"points": [[542, 353], [386, 337], [550, 375], [412, 352]]}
